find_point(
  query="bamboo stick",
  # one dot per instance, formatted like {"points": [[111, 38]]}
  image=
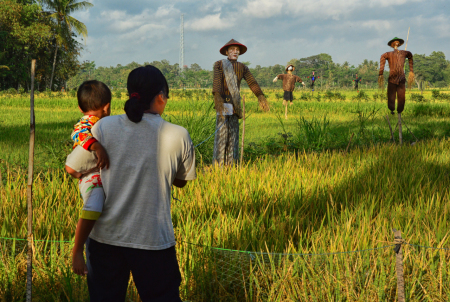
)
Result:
{"points": [[400, 133], [30, 189], [399, 265], [390, 128], [243, 129]]}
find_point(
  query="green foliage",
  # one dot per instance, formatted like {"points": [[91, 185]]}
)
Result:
{"points": [[379, 96], [361, 96], [431, 110], [417, 97], [118, 94]]}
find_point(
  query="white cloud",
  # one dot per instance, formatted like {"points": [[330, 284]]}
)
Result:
{"points": [[263, 8], [210, 22]]}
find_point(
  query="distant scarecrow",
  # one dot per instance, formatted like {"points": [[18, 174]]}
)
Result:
{"points": [[228, 74], [289, 81], [357, 81], [313, 80], [396, 84]]}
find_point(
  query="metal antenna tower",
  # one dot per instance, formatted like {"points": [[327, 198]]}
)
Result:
{"points": [[182, 43]]}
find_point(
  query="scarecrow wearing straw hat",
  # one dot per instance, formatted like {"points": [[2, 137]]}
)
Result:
{"points": [[228, 74], [289, 81], [396, 84]]}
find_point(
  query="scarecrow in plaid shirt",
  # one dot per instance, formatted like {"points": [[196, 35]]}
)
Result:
{"points": [[228, 74]]}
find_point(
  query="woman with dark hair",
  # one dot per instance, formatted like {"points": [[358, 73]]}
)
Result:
{"points": [[134, 232]]}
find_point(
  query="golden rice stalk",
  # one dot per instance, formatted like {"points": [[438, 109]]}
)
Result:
{"points": [[411, 79]]}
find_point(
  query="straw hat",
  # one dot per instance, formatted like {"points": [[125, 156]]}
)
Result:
{"points": [[396, 39], [232, 42], [293, 67]]}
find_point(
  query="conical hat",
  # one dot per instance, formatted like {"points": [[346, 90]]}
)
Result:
{"points": [[396, 39], [293, 67], [242, 48]]}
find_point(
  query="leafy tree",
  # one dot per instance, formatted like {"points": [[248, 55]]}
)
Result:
{"points": [[65, 25]]}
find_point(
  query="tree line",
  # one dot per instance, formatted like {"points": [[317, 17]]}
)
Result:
{"points": [[46, 31], [431, 71], [43, 30]]}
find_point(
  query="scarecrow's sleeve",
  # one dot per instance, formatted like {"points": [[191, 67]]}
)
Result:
{"points": [[252, 82], [218, 78], [382, 63], [280, 76], [298, 79], [82, 135], [410, 60]]}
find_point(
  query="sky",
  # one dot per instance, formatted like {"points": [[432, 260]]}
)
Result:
{"points": [[275, 31]]}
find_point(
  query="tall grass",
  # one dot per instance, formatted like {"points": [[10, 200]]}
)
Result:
{"points": [[297, 194], [300, 203]]}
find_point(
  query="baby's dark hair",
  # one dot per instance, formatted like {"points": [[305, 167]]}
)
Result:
{"points": [[144, 84], [93, 95]]}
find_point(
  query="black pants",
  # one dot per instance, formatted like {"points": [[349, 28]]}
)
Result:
{"points": [[288, 96], [155, 273], [399, 91]]}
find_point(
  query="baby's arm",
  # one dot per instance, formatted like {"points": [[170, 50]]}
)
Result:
{"points": [[102, 156], [73, 173]]}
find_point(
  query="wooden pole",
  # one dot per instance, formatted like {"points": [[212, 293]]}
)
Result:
{"points": [[390, 128], [400, 135], [407, 37], [243, 129], [399, 265], [30, 189], [285, 110]]}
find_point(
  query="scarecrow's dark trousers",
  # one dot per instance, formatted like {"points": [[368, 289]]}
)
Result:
{"points": [[226, 141], [399, 92]]}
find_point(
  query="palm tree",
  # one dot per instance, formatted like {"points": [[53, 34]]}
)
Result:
{"points": [[60, 11]]}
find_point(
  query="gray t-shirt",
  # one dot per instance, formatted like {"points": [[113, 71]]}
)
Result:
{"points": [[145, 158]]}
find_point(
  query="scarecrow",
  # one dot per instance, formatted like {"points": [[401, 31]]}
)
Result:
{"points": [[228, 74], [396, 85], [313, 80], [289, 81], [357, 81]]}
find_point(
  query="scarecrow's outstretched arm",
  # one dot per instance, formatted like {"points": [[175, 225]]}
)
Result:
{"points": [[256, 89]]}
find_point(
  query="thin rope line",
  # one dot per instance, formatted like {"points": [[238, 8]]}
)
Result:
{"points": [[289, 254], [39, 240], [428, 247], [210, 136]]}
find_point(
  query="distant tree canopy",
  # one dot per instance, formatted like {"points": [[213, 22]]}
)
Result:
{"points": [[47, 33], [28, 32], [433, 69]]}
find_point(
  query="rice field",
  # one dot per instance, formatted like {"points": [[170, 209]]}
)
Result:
{"points": [[275, 228]]}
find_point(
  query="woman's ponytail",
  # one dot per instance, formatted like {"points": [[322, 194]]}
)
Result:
{"points": [[134, 109]]}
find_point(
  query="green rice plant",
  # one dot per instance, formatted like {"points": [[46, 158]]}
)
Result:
{"points": [[417, 97], [315, 131]]}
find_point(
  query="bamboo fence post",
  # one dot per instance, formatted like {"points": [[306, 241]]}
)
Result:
{"points": [[399, 265], [1, 180], [30, 189], [390, 128], [400, 135], [243, 129]]}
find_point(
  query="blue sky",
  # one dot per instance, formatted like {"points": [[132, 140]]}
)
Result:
{"points": [[275, 31]]}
